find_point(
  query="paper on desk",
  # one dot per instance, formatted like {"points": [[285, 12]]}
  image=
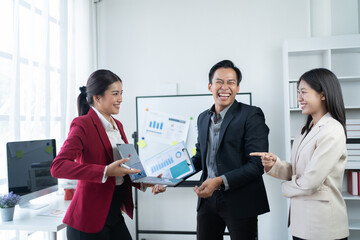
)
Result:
{"points": [[53, 213]]}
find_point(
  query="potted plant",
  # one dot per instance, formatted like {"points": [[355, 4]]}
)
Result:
{"points": [[7, 205]]}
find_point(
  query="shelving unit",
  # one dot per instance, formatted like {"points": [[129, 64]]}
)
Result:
{"points": [[340, 54]]}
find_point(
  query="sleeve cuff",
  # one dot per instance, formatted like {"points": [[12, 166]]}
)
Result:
{"points": [[271, 172], [142, 187], [104, 176], [226, 183]]}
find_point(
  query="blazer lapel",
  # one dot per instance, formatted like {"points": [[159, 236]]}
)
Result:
{"points": [[295, 148], [204, 139], [314, 131], [102, 134]]}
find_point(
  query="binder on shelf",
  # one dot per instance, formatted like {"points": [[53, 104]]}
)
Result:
{"points": [[353, 177], [353, 158], [358, 182], [353, 152], [350, 122], [353, 128], [353, 146], [353, 134], [293, 103]]}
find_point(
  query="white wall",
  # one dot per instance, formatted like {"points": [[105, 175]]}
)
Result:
{"points": [[153, 42]]}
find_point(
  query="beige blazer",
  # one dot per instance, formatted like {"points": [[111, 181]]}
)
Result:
{"points": [[314, 180]]}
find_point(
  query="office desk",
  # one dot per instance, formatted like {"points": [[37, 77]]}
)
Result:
{"points": [[29, 220]]}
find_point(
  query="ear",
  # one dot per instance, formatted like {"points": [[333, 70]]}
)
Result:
{"points": [[96, 98], [322, 96], [209, 87]]}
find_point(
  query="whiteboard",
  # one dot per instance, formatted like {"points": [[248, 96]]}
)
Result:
{"points": [[187, 106]]}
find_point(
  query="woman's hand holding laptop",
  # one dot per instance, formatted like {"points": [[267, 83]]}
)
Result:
{"points": [[115, 168]]}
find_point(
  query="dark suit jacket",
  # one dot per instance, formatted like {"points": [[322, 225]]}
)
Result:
{"points": [[243, 131], [84, 155]]}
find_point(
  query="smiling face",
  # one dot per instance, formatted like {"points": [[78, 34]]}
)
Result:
{"points": [[109, 103], [224, 88], [311, 102]]}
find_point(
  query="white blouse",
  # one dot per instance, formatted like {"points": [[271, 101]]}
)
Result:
{"points": [[114, 138]]}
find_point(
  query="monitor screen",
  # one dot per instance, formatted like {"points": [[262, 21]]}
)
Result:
{"points": [[28, 165]]}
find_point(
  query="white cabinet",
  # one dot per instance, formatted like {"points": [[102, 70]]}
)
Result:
{"points": [[340, 54]]}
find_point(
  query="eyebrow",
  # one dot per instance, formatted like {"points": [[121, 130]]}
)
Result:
{"points": [[115, 91]]}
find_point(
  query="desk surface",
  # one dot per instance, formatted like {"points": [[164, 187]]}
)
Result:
{"points": [[30, 220]]}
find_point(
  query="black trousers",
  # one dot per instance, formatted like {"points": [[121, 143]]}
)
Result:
{"points": [[114, 229], [296, 238], [213, 217]]}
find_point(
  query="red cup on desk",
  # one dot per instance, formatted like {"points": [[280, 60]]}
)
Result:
{"points": [[69, 193]]}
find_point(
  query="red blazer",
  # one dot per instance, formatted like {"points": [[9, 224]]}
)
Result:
{"points": [[84, 155]]}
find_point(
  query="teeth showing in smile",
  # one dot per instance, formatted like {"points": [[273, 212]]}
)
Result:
{"points": [[224, 94]]}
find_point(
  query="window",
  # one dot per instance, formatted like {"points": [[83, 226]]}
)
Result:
{"points": [[32, 72]]}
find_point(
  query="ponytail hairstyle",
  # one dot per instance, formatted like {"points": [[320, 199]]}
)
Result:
{"points": [[324, 81], [98, 82]]}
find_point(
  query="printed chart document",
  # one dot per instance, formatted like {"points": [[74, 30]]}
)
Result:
{"points": [[174, 162], [165, 128]]}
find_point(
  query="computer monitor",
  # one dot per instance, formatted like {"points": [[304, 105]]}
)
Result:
{"points": [[28, 169]]}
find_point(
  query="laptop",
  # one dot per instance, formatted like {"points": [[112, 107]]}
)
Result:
{"points": [[129, 151]]}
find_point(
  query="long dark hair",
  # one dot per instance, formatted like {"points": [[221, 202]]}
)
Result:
{"points": [[324, 81], [98, 82]]}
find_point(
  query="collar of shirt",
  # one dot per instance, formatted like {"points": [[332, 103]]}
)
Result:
{"points": [[222, 113], [106, 124]]}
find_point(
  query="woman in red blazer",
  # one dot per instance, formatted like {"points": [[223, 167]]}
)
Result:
{"points": [[89, 155]]}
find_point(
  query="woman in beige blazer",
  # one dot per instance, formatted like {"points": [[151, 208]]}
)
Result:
{"points": [[314, 176]]}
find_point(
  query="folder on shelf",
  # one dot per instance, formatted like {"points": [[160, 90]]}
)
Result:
{"points": [[353, 127], [353, 178], [352, 121], [353, 134], [353, 158], [358, 183], [354, 152], [353, 146]]}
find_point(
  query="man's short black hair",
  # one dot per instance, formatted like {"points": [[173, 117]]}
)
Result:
{"points": [[225, 64]]}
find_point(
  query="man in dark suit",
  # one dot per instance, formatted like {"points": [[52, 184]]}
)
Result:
{"points": [[232, 193]]}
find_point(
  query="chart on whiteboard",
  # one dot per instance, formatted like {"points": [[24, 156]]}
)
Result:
{"points": [[165, 128]]}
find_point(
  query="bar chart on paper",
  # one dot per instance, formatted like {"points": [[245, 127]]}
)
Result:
{"points": [[161, 164], [165, 128], [155, 126]]}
